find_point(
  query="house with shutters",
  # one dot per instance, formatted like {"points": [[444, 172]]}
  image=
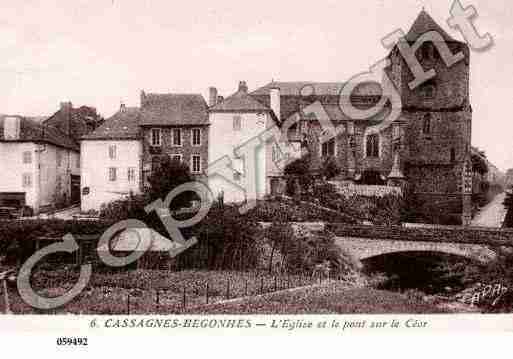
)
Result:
{"points": [[174, 125], [111, 159], [38, 163], [119, 156], [234, 121]]}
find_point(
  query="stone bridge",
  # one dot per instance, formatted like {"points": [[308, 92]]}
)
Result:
{"points": [[363, 248], [363, 241]]}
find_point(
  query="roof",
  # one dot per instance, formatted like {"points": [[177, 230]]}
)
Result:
{"points": [[425, 23], [34, 131], [309, 88], [76, 122], [297, 95], [239, 101], [124, 124], [173, 110], [296, 88]]}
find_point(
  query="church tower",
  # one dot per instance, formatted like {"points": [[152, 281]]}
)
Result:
{"points": [[437, 114]]}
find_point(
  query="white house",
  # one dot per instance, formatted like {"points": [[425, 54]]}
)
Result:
{"points": [[111, 160], [37, 165], [233, 122]]}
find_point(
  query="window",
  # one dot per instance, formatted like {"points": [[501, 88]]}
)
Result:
{"points": [[328, 148], [112, 152], [293, 129], [237, 125], [237, 176], [196, 137], [429, 91], [177, 137], [426, 124], [276, 153], [27, 157], [176, 158], [78, 161], [112, 174], [155, 163], [196, 164], [453, 155], [156, 137], [59, 158], [27, 180], [372, 145], [131, 174]]}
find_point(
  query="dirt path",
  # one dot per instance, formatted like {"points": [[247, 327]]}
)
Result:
{"points": [[491, 215]]}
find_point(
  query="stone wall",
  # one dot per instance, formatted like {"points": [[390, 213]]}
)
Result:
{"points": [[452, 234]]}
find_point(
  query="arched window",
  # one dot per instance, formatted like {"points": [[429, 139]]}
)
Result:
{"points": [[372, 149], [426, 125]]}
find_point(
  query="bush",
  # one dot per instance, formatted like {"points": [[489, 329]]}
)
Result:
{"points": [[298, 170], [302, 251], [330, 168], [166, 177], [127, 208]]}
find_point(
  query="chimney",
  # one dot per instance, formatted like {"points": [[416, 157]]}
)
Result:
{"points": [[122, 107], [11, 128], [212, 99], [66, 106], [143, 98], [275, 101], [243, 87]]}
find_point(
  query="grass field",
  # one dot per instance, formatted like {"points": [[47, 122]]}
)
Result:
{"points": [[328, 298], [163, 292]]}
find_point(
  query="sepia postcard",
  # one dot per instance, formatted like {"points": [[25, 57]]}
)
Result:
{"points": [[255, 168]]}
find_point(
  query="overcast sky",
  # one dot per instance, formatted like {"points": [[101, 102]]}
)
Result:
{"points": [[102, 52]]}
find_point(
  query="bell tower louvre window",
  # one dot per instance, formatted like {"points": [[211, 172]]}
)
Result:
{"points": [[372, 145]]}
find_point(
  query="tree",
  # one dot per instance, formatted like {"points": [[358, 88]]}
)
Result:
{"points": [[165, 177], [330, 168], [298, 170]]}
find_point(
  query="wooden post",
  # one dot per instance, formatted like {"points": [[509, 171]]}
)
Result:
{"points": [[246, 288], [228, 289], [275, 284], [128, 304], [261, 285], [6, 298], [158, 299], [183, 299], [206, 294]]}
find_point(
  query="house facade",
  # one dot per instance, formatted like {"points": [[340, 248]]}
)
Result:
{"points": [[174, 125], [234, 121], [111, 160], [39, 164]]}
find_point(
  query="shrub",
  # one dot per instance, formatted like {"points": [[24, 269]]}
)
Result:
{"points": [[302, 251], [166, 177], [298, 170], [330, 168], [131, 207]]}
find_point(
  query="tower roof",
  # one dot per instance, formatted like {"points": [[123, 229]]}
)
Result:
{"points": [[423, 24]]}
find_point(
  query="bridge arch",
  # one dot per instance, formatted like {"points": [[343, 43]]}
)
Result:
{"points": [[364, 248]]}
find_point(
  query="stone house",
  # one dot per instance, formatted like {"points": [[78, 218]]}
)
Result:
{"points": [[174, 125]]}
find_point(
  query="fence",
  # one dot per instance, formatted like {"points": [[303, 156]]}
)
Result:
{"points": [[366, 190], [163, 292]]}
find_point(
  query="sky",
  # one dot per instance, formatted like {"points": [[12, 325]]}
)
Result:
{"points": [[104, 52]]}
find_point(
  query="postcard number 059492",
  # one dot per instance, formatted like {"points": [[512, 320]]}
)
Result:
{"points": [[74, 341]]}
